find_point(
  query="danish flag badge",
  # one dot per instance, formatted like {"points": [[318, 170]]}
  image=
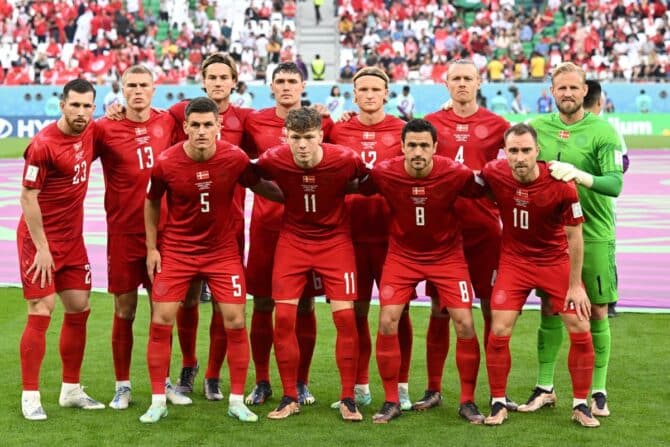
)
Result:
{"points": [[368, 135], [564, 134], [202, 175], [418, 191], [308, 179]]}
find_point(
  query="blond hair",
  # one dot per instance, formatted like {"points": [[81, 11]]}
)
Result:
{"points": [[568, 67], [137, 69], [372, 71]]}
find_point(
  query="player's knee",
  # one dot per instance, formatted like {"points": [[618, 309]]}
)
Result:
{"points": [[388, 323], [234, 321]]}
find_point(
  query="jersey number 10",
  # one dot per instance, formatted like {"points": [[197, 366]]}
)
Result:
{"points": [[520, 218]]}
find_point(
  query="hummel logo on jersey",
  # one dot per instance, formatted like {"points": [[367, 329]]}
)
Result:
{"points": [[202, 175], [140, 131], [368, 135], [309, 179], [461, 127], [564, 134], [418, 191]]}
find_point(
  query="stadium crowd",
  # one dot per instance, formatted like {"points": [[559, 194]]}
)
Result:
{"points": [[508, 40]]}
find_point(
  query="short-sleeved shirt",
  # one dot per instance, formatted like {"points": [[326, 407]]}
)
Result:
{"points": [[593, 146], [128, 151], [534, 214], [59, 165], [265, 130], [199, 198], [314, 207], [376, 143], [473, 141], [423, 214], [232, 122]]}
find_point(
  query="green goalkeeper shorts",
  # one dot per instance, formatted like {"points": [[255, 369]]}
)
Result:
{"points": [[599, 272]]}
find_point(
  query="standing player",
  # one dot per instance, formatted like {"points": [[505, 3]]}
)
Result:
{"points": [[219, 76], [52, 256], [589, 152], [199, 240], [314, 236], [425, 244], [542, 234], [265, 129], [376, 137], [471, 135], [128, 149]]}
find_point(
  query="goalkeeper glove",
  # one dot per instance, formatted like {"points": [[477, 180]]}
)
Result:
{"points": [[567, 172]]}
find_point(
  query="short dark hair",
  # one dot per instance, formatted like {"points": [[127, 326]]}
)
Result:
{"points": [[521, 129], [287, 67], [303, 120], [79, 86], [201, 105], [417, 126], [593, 95]]}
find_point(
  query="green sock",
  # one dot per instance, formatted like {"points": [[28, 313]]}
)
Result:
{"points": [[602, 344], [549, 339]]}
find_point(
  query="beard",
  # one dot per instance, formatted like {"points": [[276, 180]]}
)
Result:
{"points": [[569, 108]]}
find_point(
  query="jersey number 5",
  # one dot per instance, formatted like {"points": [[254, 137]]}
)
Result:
{"points": [[204, 202]]}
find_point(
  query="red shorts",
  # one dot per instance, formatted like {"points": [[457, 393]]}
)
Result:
{"points": [[262, 247], [369, 265], [126, 263], [482, 256], [334, 262], [449, 276], [224, 276], [515, 282], [72, 270]]}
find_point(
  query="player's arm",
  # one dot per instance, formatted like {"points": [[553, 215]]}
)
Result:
{"points": [[152, 213], [269, 190], [43, 264], [252, 178], [609, 184], [576, 293]]}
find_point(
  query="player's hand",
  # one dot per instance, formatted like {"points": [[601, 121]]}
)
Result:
{"points": [[567, 172], [447, 105], [323, 110], [115, 112], [153, 263], [42, 267], [346, 116], [577, 299]]}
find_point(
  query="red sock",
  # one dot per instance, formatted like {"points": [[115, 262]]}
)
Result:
{"points": [[388, 362], [405, 337], [364, 350], [498, 364], [305, 331], [187, 331], [467, 362], [437, 348], [158, 355], [122, 347], [286, 347], [238, 358], [346, 350], [72, 344], [261, 337], [32, 349], [580, 363], [217, 346]]}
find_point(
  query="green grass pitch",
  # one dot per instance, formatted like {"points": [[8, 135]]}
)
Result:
{"points": [[638, 393]]}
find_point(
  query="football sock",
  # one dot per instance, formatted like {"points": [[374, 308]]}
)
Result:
{"points": [[437, 348], [305, 329], [286, 347], [346, 350], [238, 358], [487, 331], [364, 349], [388, 362], [158, 355], [498, 364], [602, 344], [549, 340], [405, 338], [72, 344], [187, 331], [467, 362], [261, 337], [32, 349], [122, 347], [217, 346], [580, 363]]}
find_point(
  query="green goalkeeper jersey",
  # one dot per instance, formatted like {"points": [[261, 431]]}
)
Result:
{"points": [[593, 146]]}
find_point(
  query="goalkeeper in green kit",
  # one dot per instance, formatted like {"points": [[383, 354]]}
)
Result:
{"points": [[582, 147]]}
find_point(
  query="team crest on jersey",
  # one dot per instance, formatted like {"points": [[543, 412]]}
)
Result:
{"points": [[368, 135], [140, 131], [521, 197], [202, 175], [461, 127], [564, 134]]}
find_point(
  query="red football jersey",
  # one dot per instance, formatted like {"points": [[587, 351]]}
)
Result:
{"points": [[128, 151], [534, 215], [199, 198], [473, 141], [314, 205], [423, 217], [369, 215], [265, 130], [59, 165]]}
